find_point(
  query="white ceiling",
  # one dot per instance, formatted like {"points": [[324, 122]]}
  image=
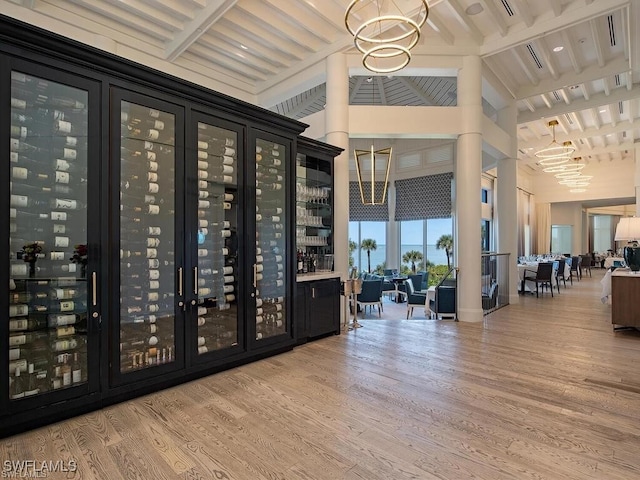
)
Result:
{"points": [[590, 86]]}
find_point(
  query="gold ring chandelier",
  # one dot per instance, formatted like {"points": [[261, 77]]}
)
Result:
{"points": [[385, 34], [555, 154]]}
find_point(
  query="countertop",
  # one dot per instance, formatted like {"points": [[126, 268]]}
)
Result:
{"points": [[310, 277]]}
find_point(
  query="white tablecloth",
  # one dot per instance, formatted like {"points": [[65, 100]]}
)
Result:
{"points": [[533, 267], [608, 262]]}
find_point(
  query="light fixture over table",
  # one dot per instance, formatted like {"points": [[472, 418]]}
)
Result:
{"points": [[385, 31], [373, 157], [554, 153]]}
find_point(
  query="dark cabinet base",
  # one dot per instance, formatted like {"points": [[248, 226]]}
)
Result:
{"points": [[317, 309]]}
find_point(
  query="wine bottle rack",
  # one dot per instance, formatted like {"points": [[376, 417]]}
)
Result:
{"points": [[217, 282], [47, 236], [270, 268], [147, 251]]}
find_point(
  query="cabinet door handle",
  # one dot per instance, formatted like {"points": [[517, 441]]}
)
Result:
{"points": [[94, 289], [313, 292], [195, 280], [180, 281], [255, 275]]}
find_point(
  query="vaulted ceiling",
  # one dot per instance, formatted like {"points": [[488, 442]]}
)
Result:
{"points": [[574, 61]]}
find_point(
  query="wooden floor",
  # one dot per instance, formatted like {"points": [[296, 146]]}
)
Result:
{"points": [[541, 390]]}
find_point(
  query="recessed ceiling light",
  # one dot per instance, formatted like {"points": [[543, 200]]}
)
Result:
{"points": [[474, 9], [558, 48]]}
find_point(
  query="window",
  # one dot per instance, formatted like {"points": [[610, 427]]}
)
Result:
{"points": [[436, 229], [412, 240], [485, 235], [423, 236], [359, 231], [602, 233], [561, 238]]}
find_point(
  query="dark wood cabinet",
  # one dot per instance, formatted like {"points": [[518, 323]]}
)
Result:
{"points": [[317, 308], [135, 187], [625, 290]]}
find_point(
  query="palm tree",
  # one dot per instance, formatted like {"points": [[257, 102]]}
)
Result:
{"points": [[412, 256], [368, 244], [352, 248], [446, 242]]}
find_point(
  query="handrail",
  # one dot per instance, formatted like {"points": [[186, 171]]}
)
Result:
{"points": [[447, 276]]}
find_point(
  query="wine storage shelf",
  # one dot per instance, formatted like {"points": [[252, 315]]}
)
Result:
{"points": [[151, 229]]}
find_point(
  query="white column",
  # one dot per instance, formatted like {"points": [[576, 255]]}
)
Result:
{"points": [[506, 201], [392, 229], [337, 128], [468, 173], [637, 179]]}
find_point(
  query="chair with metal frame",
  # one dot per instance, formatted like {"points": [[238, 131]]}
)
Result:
{"points": [[560, 273], [585, 264], [444, 301], [543, 276], [575, 267], [371, 296], [414, 298]]}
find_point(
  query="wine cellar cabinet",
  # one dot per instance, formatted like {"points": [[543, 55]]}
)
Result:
{"points": [[151, 234]]}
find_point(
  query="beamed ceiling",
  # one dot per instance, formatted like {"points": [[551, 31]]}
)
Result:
{"points": [[590, 85]]}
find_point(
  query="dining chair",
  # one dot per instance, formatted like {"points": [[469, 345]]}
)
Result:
{"points": [[490, 297], [542, 277], [585, 264], [575, 267], [560, 273], [370, 296], [414, 298]]}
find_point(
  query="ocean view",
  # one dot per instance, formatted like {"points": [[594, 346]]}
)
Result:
{"points": [[435, 256]]}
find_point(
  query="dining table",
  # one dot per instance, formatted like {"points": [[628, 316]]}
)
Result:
{"points": [[611, 262], [533, 267], [400, 295]]}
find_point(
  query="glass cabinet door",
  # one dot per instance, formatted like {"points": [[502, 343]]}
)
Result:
{"points": [[314, 214], [216, 271], [49, 300], [269, 275], [147, 217]]}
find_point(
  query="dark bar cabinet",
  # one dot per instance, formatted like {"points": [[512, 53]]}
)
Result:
{"points": [[150, 229]]}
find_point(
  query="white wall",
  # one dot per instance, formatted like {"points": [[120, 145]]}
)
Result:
{"points": [[570, 213]]}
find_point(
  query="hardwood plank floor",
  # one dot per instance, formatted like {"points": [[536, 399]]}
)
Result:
{"points": [[544, 389]]}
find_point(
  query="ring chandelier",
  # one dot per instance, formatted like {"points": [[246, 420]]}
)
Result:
{"points": [[385, 32], [554, 152], [572, 176]]}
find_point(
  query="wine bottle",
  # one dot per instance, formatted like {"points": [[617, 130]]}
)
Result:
{"points": [[65, 331], [24, 298], [66, 268], [32, 382], [18, 310], [34, 83], [76, 369], [64, 371], [130, 120], [16, 389], [63, 165], [62, 319], [61, 306], [64, 344]]}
